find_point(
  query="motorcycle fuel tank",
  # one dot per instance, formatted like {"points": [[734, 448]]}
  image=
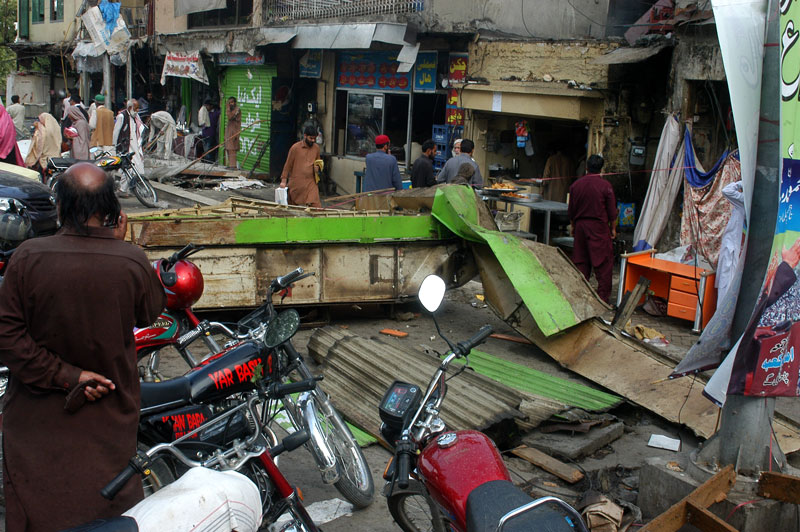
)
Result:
{"points": [[161, 331], [230, 371], [455, 463]]}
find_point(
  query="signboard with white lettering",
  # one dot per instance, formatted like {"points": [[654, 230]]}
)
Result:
{"points": [[425, 72]]}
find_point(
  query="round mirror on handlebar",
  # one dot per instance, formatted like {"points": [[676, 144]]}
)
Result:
{"points": [[431, 292], [281, 328]]}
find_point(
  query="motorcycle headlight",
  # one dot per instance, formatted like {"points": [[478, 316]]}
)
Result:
{"points": [[11, 205]]}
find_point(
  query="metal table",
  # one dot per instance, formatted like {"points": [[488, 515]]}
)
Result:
{"points": [[546, 206]]}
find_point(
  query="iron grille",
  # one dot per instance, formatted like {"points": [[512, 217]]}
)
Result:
{"points": [[317, 9]]}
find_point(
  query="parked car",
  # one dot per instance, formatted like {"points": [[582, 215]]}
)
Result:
{"points": [[27, 209]]}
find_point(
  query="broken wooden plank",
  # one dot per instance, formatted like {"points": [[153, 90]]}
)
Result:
{"points": [[510, 338], [713, 490], [394, 332], [548, 463], [780, 487], [629, 303], [705, 520]]}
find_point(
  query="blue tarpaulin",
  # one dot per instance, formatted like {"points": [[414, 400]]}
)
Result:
{"points": [[110, 11], [695, 177]]}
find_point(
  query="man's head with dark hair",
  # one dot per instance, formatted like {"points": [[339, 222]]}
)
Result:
{"points": [[310, 130], [429, 145], [84, 192], [309, 135], [594, 164], [15, 99], [467, 146], [75, 99]]}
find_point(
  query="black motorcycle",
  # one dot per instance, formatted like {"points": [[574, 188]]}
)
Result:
{"points": [[139, 184]]}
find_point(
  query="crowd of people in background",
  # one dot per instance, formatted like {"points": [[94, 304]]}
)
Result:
{"points": [[75, 128]]}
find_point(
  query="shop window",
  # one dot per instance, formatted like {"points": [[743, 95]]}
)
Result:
{"points": [[235, 13], [56, 10], [368, 115], [37, 11]]}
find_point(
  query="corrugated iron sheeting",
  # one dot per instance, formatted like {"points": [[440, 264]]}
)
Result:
{"points": [[358, 371]]}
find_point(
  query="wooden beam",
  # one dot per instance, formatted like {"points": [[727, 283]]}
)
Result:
{"points": [[705, 520], [548, 463], [780, 487], [713, 490], [629, 303]]}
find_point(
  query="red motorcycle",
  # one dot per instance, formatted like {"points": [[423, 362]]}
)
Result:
{"points": [[177, 326], [454, 480]]}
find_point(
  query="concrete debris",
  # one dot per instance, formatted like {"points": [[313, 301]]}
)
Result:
{"points": [[575, 446], [239, 184]]}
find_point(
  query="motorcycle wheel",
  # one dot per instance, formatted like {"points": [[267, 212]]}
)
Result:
{"points": [[355, 478], [160, 475], [415, 512], [144, 191]]}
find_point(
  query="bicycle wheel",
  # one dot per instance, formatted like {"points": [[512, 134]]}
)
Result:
{"points": [[143, 190], [355, 478], [414, 511]]}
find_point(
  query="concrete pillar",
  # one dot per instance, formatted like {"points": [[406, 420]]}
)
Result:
{"points": [[107, 81], [129, 76]]}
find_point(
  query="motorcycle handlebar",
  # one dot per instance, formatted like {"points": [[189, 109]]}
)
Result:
{"points": [[463, 348], [280, 390], [285, 280], [403, 469], [137, 464], [181, 254]]}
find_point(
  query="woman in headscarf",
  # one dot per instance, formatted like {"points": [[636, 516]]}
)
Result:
{"points": [[46, 142], [80, 144], [9, 151]]}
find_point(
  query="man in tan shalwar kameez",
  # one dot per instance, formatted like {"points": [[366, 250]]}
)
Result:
{"points": [[298, 171], [557, 175], [232, 132]]}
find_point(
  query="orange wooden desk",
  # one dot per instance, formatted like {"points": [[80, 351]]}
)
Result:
{"points": [[689, 291]]}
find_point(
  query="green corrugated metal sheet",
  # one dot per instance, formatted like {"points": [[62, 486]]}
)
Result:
{"points": [[252, 88], [535, 382], [456, 207]]}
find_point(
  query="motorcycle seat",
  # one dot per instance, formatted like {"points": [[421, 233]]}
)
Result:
{"points": [[165, 394], [490, 501], [115, 524], [65, 162]]}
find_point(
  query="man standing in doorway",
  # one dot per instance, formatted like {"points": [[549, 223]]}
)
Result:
{"points": [[382, 171], [72, 407], [450, 169], [232, 132], [557, 175], [298, 172], [593, 215], [422, 170], [17, 112], [102, 125]]}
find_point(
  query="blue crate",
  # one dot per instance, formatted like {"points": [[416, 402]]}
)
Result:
{"points": [[440, 134]]}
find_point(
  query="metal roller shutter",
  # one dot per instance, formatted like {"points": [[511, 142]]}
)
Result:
{"points": [[252, 88]]}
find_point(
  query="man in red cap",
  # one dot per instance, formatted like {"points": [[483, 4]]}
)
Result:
{"points": [[382, 171]]}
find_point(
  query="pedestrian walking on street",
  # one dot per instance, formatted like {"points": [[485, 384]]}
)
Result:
{"points": [[382, 171], [80, 143], [232, 132], [450, 169], [592, 213], [72, 406], [46, 142], [102, 124], [422, 170], [17, 112], [127, 138], [298, 172], [9, 151]]}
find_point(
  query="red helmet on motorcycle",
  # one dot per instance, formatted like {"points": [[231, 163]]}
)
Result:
{"points": [[183, 283]]}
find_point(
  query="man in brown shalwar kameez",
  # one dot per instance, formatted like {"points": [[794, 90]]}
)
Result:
{"points": [[299, 170], [232, 132], [70, 303]]}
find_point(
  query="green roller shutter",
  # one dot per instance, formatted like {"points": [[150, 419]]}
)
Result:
{"points": [[24, 21], [252, 88]]}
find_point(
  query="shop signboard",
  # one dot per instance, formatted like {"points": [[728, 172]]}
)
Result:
{"points": [[252, 88], [235, 59], [454, 115], [458, 68], [371, 70], [311, 64], [184, 65], [767, 363], [425, 72]]}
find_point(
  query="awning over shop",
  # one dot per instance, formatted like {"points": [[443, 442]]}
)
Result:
{"points": [[533, 99], [627, 55]]}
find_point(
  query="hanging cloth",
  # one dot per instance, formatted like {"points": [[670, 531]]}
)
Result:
{"points": [[693, 171]]}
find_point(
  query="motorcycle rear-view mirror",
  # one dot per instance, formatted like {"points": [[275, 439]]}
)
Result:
{"points": [[282, 328], [431, 292]]}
